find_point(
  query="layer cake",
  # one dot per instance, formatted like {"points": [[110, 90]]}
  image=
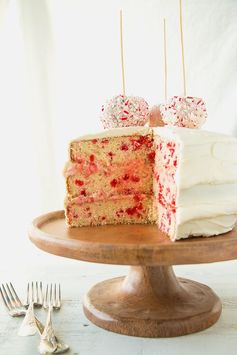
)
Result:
{"points": [[184, 180]]}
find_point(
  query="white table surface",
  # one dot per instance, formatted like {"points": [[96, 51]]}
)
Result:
{"points": [[26, 263]]}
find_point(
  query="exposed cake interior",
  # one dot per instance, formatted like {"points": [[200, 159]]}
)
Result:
{"points": [[165, 187], [120, 209], [109, 179]]}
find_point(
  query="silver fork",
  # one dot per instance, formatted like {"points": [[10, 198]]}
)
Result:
{"points": [[52, 300], [34, 294], [49, 342], [53, 297], [34, 298], [16, 308], [11, 300]]}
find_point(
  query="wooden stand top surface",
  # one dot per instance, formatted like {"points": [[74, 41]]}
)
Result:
{"points": [[137, 244]]}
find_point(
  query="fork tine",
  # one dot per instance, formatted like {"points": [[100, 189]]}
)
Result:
{"points": [[15, 295], [41, 293], [13, 292], [32, 298], [59, 296], [46, 297], [32, 292], [10, 295], [4, 300], [7, 297], [28, 294], [12, 301], [37, 292], [51, 294], [55, 296]]}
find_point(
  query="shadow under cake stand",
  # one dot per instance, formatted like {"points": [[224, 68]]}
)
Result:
{"points": [[150, 301]]}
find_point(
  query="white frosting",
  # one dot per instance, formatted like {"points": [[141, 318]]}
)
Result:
{"points": [[206, 201], [191, 136], [117, 132], [206, 227], [206, 181], [206, 157], [212, 163]]}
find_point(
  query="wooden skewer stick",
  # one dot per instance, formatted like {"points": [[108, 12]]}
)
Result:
{"points": [[121, 50], [182, 45], [165, 59]]}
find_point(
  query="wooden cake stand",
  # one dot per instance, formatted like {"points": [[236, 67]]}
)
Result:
{"points": [[150, 301]]}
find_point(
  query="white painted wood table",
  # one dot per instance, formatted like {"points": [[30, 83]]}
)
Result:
{"points": [[85, 338]]}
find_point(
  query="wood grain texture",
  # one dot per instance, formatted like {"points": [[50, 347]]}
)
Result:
{"points": [[152, 302], [127, 244]]}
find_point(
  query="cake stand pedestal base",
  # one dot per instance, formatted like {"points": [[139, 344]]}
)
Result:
{"points": [[152, 302]]}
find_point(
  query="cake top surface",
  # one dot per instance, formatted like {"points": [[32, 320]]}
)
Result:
{"points": [[116, 132], [193, 136], [185, 135]]}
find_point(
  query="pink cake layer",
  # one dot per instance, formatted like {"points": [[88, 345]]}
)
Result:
{"points": [[117, 178]]}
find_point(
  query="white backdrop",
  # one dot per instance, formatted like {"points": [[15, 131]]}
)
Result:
{"points": [[60, 61]]}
